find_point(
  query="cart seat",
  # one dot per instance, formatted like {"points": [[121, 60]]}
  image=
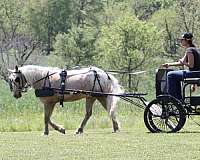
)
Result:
{"points": [[161, 83], [192, 81], [195, 80]]}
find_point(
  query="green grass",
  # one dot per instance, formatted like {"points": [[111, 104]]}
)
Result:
{"points": [[132, 143], [70, 117]]}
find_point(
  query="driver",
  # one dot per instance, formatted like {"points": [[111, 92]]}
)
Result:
{"points": [[191, 59]]}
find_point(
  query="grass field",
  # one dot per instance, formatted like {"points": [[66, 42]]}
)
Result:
{"points": [[133, 143]]}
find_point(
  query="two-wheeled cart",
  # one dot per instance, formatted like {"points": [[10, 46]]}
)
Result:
{"points": [[166, 113]]}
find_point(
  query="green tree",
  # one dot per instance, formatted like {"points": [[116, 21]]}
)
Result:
{"points": [[188, 19], [46, 18], [16, 45], [127, 38], [76, 46], [127, 44], [184, 16], [144, 9], [166, 22], [86, 13], [112, 10]]}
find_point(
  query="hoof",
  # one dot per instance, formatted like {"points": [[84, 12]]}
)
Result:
{"points": [[80, 131], [45, 133], [116, 130], [62, 130]]}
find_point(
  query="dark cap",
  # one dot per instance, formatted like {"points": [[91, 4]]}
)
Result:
{"points": [[187, 36]]}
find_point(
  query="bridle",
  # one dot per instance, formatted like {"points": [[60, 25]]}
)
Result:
{"points": [[20, 82]]}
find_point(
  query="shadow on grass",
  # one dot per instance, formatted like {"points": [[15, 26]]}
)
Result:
{"points": [[181, 132], [185, 132]]}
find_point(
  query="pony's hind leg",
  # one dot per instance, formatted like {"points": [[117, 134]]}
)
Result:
{"points": [[114, 120], [109, 104], [89, 103]]}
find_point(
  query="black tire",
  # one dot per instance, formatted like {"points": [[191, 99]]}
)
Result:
{"points": [[164, 114]]}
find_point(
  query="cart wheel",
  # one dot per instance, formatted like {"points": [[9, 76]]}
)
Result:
{"points": [[164, 114]]}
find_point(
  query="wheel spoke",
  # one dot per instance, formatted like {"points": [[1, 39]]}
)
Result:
{"points": [[170, 124], [156, 110], [164, 115]]}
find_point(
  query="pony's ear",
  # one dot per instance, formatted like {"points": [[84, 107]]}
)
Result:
{"points": [[16, 69]]}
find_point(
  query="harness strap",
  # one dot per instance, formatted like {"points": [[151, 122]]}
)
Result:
{"points": [[63, 76], [47, 78], [96, 77], [48, 75]]}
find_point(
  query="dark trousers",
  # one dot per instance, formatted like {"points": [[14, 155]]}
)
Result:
{"points": [[174, 79]]}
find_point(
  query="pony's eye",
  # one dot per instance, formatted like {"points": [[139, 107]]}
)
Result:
{"points": [[17, 80]]}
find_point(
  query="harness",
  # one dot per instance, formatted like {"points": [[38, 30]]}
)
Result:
{"points": [[48, 91]]}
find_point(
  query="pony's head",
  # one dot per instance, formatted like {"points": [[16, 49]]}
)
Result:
{"points": [[17, 82]]}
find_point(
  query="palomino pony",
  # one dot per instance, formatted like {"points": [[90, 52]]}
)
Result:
{"points": [[82, 79]]}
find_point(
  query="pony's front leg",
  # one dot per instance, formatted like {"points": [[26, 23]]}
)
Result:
{"points": [[89, 104], [48, 112], [56, 127], [46, 119]]}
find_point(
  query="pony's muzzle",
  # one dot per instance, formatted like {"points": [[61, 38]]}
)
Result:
{"points": [[17, 95]]}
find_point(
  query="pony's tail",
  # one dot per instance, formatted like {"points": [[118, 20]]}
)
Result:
{"points": [[115, 88]]}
